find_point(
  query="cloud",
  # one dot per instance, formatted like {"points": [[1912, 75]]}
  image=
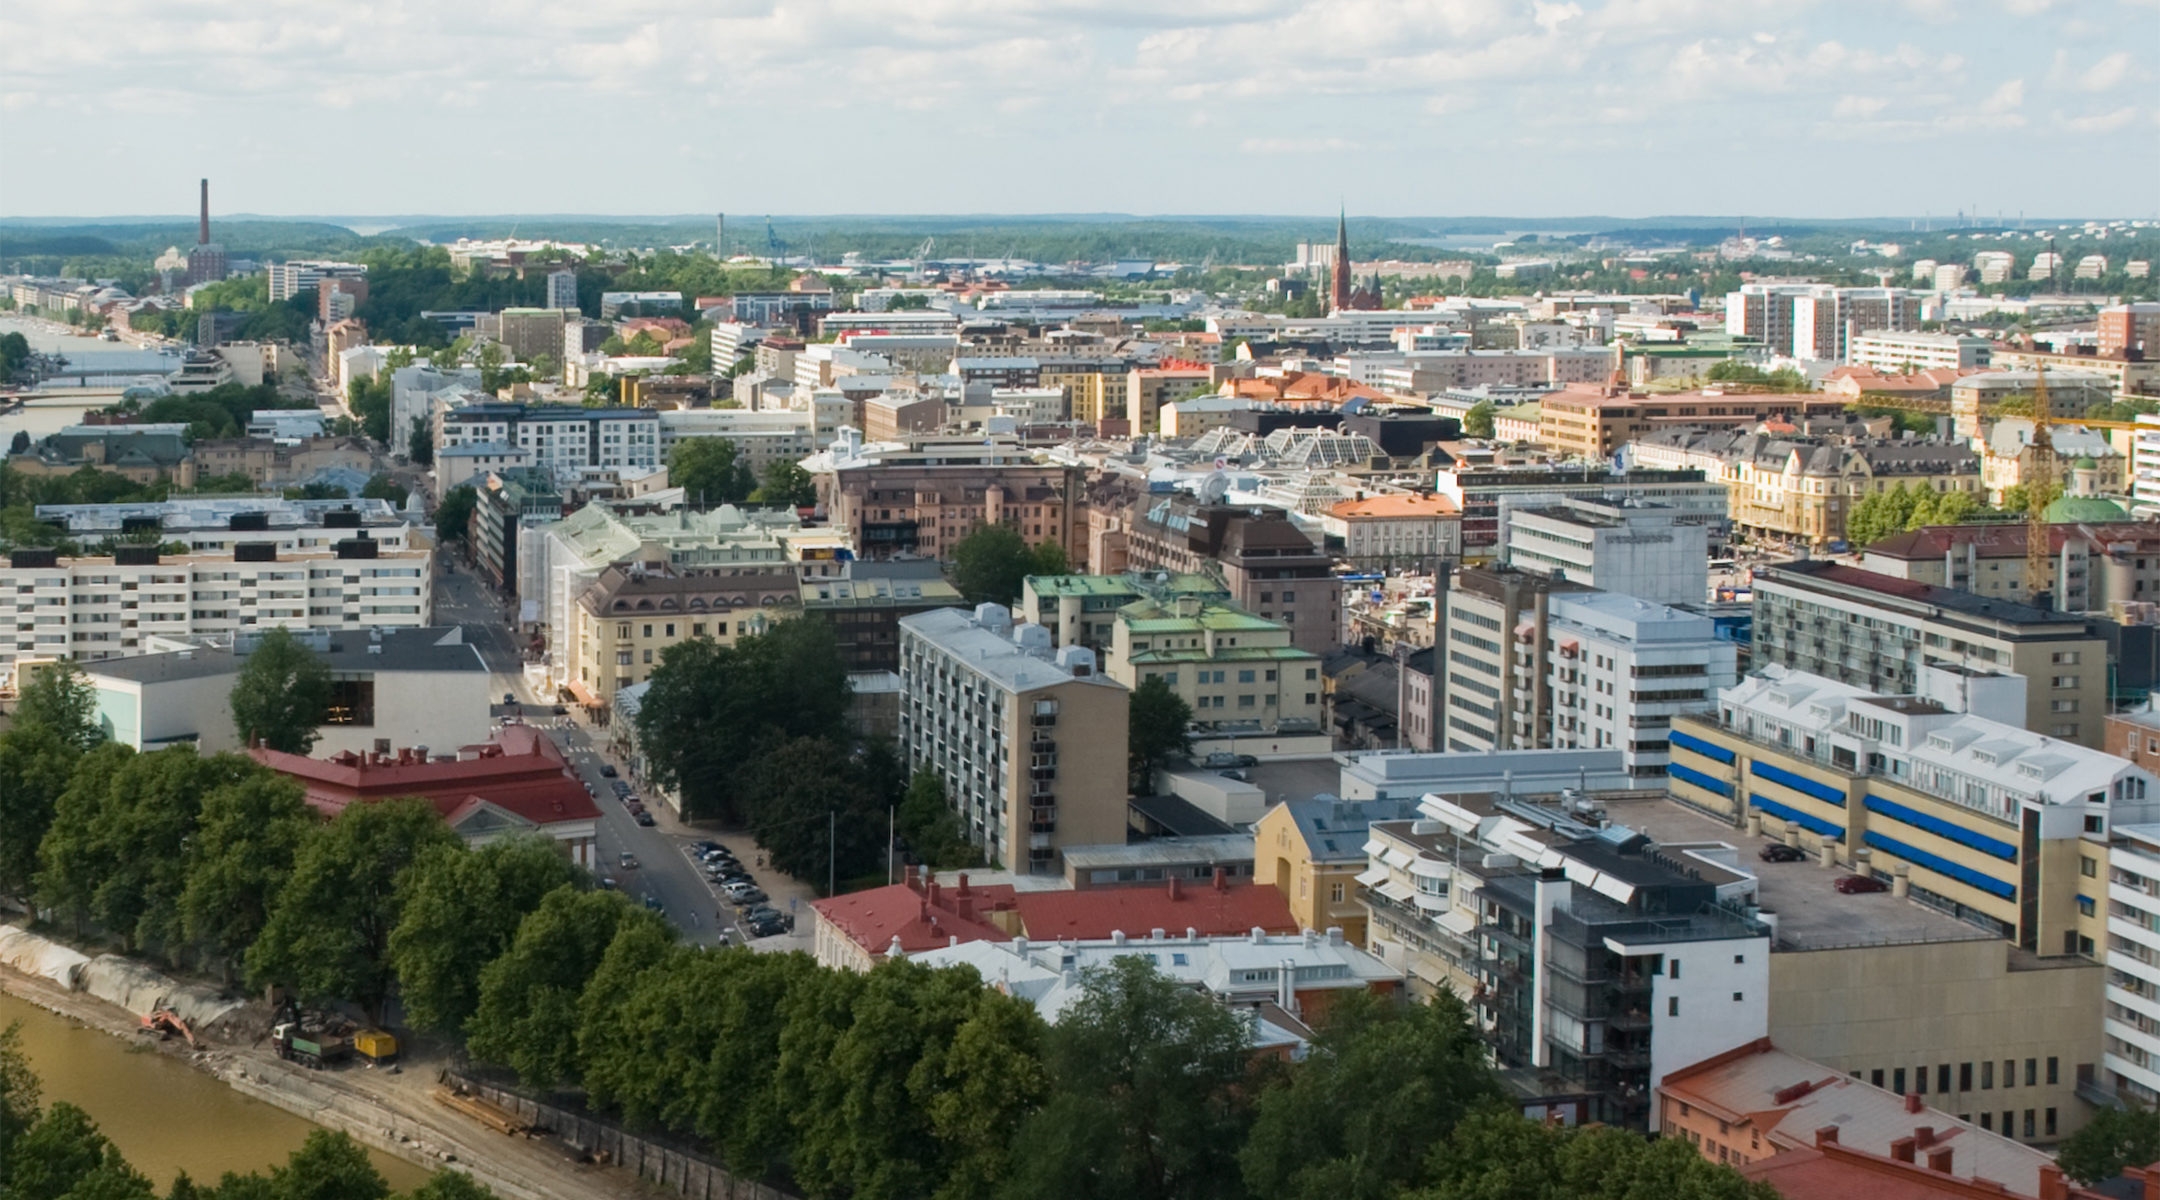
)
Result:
{"points": [[2106, 74], [1858, 106], [1279, 145], [2008, 98], [2107, 122]]}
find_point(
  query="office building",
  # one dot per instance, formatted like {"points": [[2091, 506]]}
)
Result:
{"points": [[1239, 674], [1409, 531], [508, 502], [563, 440], [1478, 491], [562, 289], [1495, 675], [1617, 671], [289, 279], [1648, 551], [1903, 352], [1877, 632], [1082, 610], [2131, 1054], [1029, 741], [1269, 566], [866, 604], [528, 333]]}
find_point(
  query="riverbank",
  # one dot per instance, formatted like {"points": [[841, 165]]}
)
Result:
{"points": [[389, 1111]]}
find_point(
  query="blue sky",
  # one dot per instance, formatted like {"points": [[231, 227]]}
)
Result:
{"points": [[1398, 107]]}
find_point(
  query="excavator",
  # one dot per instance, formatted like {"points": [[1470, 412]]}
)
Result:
{"points": [[167, 1024]]}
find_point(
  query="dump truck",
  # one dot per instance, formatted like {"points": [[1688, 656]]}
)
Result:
{"points": [[312, 1048]]}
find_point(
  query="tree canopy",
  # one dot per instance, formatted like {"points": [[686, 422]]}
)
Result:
{"points": [[708, 471], [990, 564], [1159, 726], [282, 694], [2115, 1138], [458, 911], [454, 519]]}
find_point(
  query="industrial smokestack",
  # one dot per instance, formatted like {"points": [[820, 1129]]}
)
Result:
{"points": [[202, 231], [719, 244]]}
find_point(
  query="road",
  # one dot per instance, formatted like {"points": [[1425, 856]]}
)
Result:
{"points": [[662, 852]]}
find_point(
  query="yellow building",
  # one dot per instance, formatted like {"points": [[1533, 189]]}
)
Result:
{"points": [[1148, 389], [1234, 669], [1313, 852], [627, 619], [1943, 795]]}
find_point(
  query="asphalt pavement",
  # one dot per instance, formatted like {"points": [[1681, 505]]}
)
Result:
{"points": [[665, 869]]}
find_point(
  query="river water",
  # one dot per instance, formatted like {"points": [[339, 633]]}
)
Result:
{"points": [[164, 1115], [112, 365]]}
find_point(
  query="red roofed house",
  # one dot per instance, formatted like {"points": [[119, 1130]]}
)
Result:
{"points": [[1811, 1131], [516, 783], [859, 930]]}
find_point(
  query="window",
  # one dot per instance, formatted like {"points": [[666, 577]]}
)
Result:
{"points": [[1245, 677], [2085, 908], [1897, 1081], [1987, 1076], [1965, 1077], [2032, 1075], [2009, 1128], [1672, 968], [1736, 1000], [2050, 1118], [2087, 867], [648, 656], [1672, 1006], [2066, 683], [1919, 1077], [2009, 1073], [671, 629], [1335, 893], [2053, 1075], [698, 629], [1942, 1078], [2062, 706], [1875, 1077], [647, 633], [1987, 1121], [1739, 958]]}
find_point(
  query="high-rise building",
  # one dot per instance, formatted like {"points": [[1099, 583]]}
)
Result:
{"points": [[1029, 741], [562, 289]]}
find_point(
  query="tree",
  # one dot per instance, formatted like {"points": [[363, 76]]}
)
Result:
{"points": [[707, 470], [1478, 422], [990, 564], [18, 1092], [792, 785], [249, 833], [116, 852], [1383, 1082], [20, 443], [36, 765], [528, 1010], [1145, 1096], [328, 1166], [930, 826], [420, 447], [1160, 725], [328, 936], [458, 911], [454, 518], [1496, 1155], [447, 1184], [2115, 1138], [612, 1061], [787, 485], [281, 695], [1050, 560], [381, 487], [64, 1152], [59, 698], [979, 1088]]}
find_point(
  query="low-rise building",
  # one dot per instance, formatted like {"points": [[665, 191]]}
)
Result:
{"points": [[1590, 423], [1029, 740], [625, 620], [515, 784], [2099, 567], [924, 496], [1904, 351], [1238, 672], [1408, 531], [1270, 566], [1804, 489], [1312, 850], [395, 687]]}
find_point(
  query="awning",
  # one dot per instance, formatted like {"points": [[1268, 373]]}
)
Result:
{"points": [[1457, 923], [1426, 868], [1374, 846], [1373, 877], [1397, 859], [1433, 902], [584, 694], [1400, 893]]}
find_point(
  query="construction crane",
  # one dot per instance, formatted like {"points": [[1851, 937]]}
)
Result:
{"points": [[2039, 480], [1941, 408], [922, 256], [773, 245]]}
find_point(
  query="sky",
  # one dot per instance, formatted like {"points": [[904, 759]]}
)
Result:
{"points": [[1830, 108]]}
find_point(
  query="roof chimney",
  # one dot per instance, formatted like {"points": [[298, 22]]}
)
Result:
{"points": [[1175, 892], [910, 879], [202, 230], [1222, 879], [1902, 1149], [1924, 1136], [1913, 1102], [2052, 1184], [963, 886], [1826, 1136], [931, 891], [1939, 1158]]}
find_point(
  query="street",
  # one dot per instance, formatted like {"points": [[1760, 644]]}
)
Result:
{"points": [[665, 869]]}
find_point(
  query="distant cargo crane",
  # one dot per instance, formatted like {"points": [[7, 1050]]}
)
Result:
{"points": [[774, 247], [2039, 480]]}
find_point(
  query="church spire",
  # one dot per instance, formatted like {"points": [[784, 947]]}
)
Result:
{"points": [[1341, 278]]}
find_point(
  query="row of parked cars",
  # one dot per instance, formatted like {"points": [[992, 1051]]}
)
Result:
{"points": [[1851, 885], [740, 889], [630, 802]]}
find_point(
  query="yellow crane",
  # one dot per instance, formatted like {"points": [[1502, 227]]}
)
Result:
{"points": [[2039, 479]]}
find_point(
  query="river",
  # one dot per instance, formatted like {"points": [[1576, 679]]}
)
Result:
{"points": [[111, 366], [163, 1114]]}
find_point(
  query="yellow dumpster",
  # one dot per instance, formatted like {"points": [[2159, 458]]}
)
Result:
{"points": [[376, 1046]]}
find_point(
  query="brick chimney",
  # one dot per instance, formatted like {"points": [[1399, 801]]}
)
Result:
{"points": [[2052, 1184], [1924, 1136], [1939, 1158], [932, 892], [1913, 1102], [1902, 1150], [1175, 892], [1222, 880], [910, 879], [1826, 1136]]}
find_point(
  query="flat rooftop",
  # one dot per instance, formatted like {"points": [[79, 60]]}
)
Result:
{"points": [[1811, 914]]}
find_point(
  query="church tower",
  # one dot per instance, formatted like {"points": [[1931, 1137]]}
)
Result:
{"points": [[1340, 299]]}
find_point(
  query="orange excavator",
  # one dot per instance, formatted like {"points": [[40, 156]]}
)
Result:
{"points": [[166, 1023]]}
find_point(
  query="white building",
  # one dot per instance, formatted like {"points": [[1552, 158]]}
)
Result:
{"points": [[1620, 669], [761, 437], [1899, 352], [2145, 465], [565, 440], [418, 393], [289, 279], [2130, 1051], [562, 289], [409, 687], [1648, 551]]}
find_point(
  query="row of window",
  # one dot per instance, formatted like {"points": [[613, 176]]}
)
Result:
{"points": [[1895, 1077]]}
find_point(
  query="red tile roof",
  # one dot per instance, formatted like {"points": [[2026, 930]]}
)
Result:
{"points": [[1135, 911]]}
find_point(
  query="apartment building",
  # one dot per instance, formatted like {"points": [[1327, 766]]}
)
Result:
{"points": [[1029, 741], [97, 607], [2087, 466], [1494, 664], [563, 440], [1617, 671], [1902, 352], [922, 496], [1082, 610], [624, 621], [1874, 631], [761, 438], [866, 605], [1148, 390], [1649, 551], [1940, 789], [2127, 327], [1803, 489], [289, 279], [1268, 564], [507, 503], [2131, 1021], [1478, 490], [2094, 567], [1238, 672], [1825, 320], [1590, 424], [1414, 531]]}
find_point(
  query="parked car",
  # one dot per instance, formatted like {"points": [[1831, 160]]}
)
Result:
{"points": [[644, 818], [1780, 852], [607, 883], [1223, 758], [653, 903], [510, 698], [608, 770], [626, 860], [769, 927], [1857, 884], [744, 894], [705, 847], [562, 710]]}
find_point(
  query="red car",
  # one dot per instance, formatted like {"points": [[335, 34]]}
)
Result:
{"points": [[1853, 885]]}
